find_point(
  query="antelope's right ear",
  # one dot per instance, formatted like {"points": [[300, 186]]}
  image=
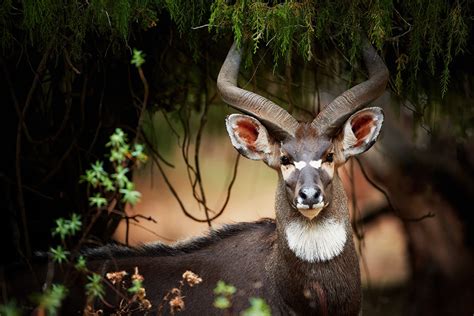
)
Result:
{"points": [[251, 138]]}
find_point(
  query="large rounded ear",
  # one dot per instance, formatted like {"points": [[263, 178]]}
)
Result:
{"points": [[251, 138], [360, 131]]}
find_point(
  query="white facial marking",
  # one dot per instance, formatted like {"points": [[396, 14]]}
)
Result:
{"points": [[315, 163], [320, 204], [286, 171], [316, 242], [312, 211], [300, 164], [300, 205], [329, 168]]}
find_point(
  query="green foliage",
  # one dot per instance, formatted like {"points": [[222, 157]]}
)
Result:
{"points": [[95, 288], [138, 58], [67, 23], [222, 302], [129, 195], [10, 309], [258, 307], [81, 263], [139, 152], [67, 227], [120, 176], [223, 292], [439, 32], [380, 21], [137, 285], [107, 184], [430, 32], [97, 200], [223, 288], [59, 254], [52, 298], [436, 33]]}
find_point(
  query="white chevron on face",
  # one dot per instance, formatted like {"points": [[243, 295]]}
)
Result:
{"points": [[300, 164], [316, 164]]}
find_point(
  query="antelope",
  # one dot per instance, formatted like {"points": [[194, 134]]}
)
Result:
{"points": [[302, 263]]}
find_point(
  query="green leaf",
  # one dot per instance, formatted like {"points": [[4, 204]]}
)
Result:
{"points": [[117, 156], [67, 227], [138, 152], [74, 224], [98, 168], [59, 254], [120, 176], [61, 228], [108, 184], [258, 307], [138, 58], [97, 200], [222, 302], [136, 286], [51, 300], [117, 139], [81, 264], [224, 289], [95, 288], [130, 195], [90, 177], [10, 309]]}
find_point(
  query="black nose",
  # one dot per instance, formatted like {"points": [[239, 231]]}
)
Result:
{"points": [[309, 195]]}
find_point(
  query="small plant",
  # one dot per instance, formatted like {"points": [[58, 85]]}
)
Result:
{"points": [[51, 299], [223, 292], [116, 185], [59, 254], [108, 189], [67, 227], [95, 288], [258, 307], [138, 58], [131, 289], [223, 300], [175, 296], [10, 309]]}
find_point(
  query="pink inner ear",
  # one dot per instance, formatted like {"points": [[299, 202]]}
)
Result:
{"points": [[247, 131], [361, 127]]}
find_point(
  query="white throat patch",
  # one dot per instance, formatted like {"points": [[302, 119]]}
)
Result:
{"points": [[316, 242]]}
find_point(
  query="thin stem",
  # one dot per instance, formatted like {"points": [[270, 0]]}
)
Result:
{"points": [[387, 197], [144, 102], [21, 120]]}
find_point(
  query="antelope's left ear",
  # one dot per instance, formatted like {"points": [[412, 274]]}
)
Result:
{"points": [[361, 130]]}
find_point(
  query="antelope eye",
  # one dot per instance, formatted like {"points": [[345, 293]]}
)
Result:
{"points": [[284, 160], [330, 157]]}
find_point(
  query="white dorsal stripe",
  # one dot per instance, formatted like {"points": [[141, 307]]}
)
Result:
{"points": [[316, 242], [315, 163], [300, 164]]}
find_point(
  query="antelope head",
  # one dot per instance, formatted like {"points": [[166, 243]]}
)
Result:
{"points": [[306, 155]]}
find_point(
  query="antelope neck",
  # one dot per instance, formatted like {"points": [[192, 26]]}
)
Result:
{"points": [[318, 240]]}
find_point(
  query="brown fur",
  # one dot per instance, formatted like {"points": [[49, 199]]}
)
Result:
{"points": [[247, 255]]}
